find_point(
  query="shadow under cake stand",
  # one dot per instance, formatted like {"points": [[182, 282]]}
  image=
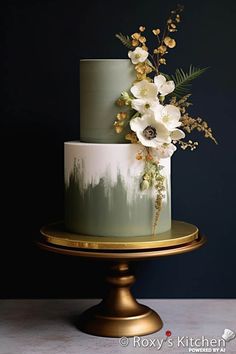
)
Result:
{"points": [[119, 314]]}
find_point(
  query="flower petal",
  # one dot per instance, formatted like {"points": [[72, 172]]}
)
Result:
{"points": [[138, 104], [144, 105], [152, 91], [164, 87], [130, 53], [155, 108], [145, 90], [163, 134], [136, 124], [137, 88], [171, 116], [177, 134], [146, 142], [167, 88], [135, 91], [140, 123], [163, 151], [159, 81], [172, 111], [158, 112], [138, 55]]}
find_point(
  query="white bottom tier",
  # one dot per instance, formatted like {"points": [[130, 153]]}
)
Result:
{"points": [[102, 191]]}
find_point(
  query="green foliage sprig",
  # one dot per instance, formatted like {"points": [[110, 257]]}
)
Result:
{"points": [[183, 80], [125, 40]]}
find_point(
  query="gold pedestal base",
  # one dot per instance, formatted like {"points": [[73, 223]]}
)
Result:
{"points": [[119, 314]]}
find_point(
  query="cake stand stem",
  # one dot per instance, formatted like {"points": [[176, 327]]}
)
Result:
{"points": [[119, 314]]}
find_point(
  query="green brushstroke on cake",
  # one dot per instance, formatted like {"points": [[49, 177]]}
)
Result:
{"points": [[103, 210]]}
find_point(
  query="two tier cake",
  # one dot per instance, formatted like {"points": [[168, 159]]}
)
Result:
{"points": [[102, 174]]}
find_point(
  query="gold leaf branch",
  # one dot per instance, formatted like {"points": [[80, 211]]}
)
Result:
{"points": [[192, 145], [166, 42], [189, 124]]}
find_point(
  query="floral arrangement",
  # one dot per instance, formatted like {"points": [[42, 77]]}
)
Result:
{"points": [[155, 108]]}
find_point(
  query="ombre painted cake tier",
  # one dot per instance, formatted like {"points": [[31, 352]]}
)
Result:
{"points": [[102, 191]]}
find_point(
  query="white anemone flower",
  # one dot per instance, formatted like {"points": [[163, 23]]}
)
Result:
{"points": [[145, 90], [163, 151], [138, 55], [150, 132], [143, 106], [164, 87], [169, 115]]}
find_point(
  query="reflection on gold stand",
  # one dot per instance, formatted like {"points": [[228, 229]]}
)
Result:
{"points": [[119, 314]]}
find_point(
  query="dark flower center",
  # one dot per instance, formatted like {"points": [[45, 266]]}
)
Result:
{"points": [[150, 132]]}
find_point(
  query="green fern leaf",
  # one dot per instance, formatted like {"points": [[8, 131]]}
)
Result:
{"points": [[125, 40], [183, 80]]}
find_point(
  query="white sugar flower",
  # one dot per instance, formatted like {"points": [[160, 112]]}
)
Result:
{"points": [[143, 106], [138, 55], [150, 131], [169, 115], [163, 151], [145, 90], [164, 87]]}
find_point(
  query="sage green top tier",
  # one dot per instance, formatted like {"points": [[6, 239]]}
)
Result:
{"points": [[101, 82]]}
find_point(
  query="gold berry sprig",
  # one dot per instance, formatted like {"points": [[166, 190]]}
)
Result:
{"points": [[189, 123], [165, 41], [138, 39]]}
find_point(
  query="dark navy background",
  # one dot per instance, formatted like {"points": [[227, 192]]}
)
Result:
{"points": [[42, 44]]}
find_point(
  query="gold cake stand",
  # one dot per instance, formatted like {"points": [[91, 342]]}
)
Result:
{"points": [[119, 314]]}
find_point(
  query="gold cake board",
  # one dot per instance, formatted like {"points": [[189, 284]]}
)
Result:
{"points": [[119, 314]]}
